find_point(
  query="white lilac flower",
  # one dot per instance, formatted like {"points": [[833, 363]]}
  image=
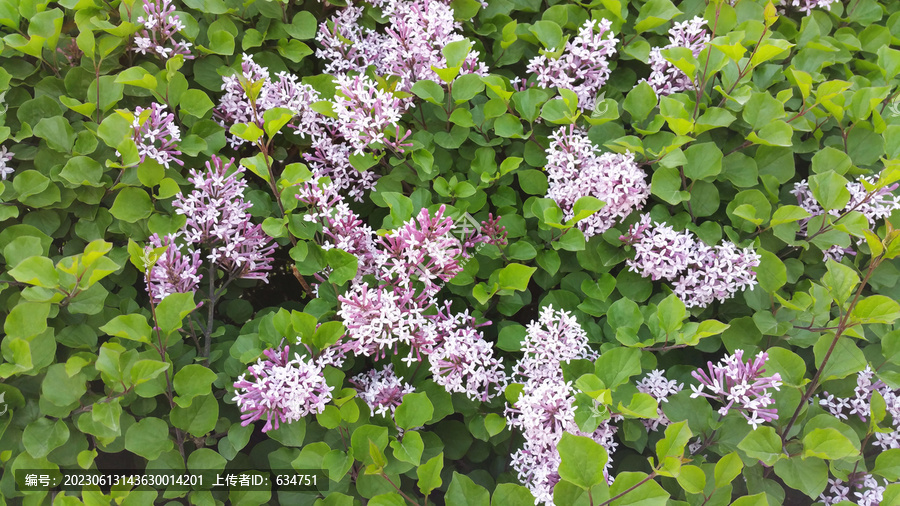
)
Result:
{"points": [[381, 390], [5, 158], [666, 78], [583, 66], [860, 405], [282, 389], [158, 33], [174, 271], [156, 134], [365, 113], [657, 386], [659, 251], [576, 168], [806, 6], [740, 386]]}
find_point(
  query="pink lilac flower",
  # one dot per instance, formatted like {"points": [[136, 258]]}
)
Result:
{"points": [[365, 113], [576, 168], [156, 134], [71, 52], [554, 338], [544, 411], [160, 26], [860, 405], [381, 390], [463, 361], [716, 273], [217, 218], [874, 205], [344, 45], [382, 319], [583, 66], [329, 156], [5, 158], [494, 232], [666, 78], [658, 387], [740, 386], [282, 389], [174, 271]]}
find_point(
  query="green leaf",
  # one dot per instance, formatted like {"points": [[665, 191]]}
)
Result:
{"points": [[692, 479], [808, 475], [511, 494], [27, 319], [465, 492], [456, 52], [655, 13], [137, 76], [131, 205], [887, 464], [200, 418], [671, 312], [548, 33], [830, 190], [583, 460], [875, 309], [533, 182], [344, 265], [247, 131], [771, 273], [650, 493], [828, 443], [82, 171], [57, 132], [36, 270], [789, 214], [703, 161], [409, 448], [148, 438], [429, 474], [146, 370], [840, 281], [195, 102], [414, 411], [132, 326], [172, 310], [191, 381], [640, 101], [845, 359], [762, 444], [515, 277], [429, 91], [727, 469], [42, 436]]}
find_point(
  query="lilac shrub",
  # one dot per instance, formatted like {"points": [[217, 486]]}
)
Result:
{"points": [[156, 135], [741, 386], [576, 168], [160, 25], [381, 390], [666, 78]]}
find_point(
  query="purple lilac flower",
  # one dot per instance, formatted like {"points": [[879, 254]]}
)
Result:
{"points": [[282, 389], [365, 112], [217, 217], [740, 386], [328, 156], [463, 361], [160, 26], [381, 319], [576, 168], [703, 273], [658, 387], [869, 492], [5, 157], [716, 273], [381, 390], [554, 338], [494, 232], [874, 205], [666, 78], [583, 66], [544, 412], [71, 52], [345, 45], [156, 134], [659, 251], [174, 271], [860, 405]]}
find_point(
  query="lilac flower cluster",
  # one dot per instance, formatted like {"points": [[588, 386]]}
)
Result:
{"points": [[704, 273], [251, 93], [381, 390], [463, 361], [416, 32], [868, 491], [657, 386], [860, 405], [364, 113], [576, 168], [5, 158], [174, 271], [156, 134], [583, 66], [545, 410], [494, 232], [282, 389], [217, 218], [158, 35], [666, 78], [740, 386], [874, 205]]}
